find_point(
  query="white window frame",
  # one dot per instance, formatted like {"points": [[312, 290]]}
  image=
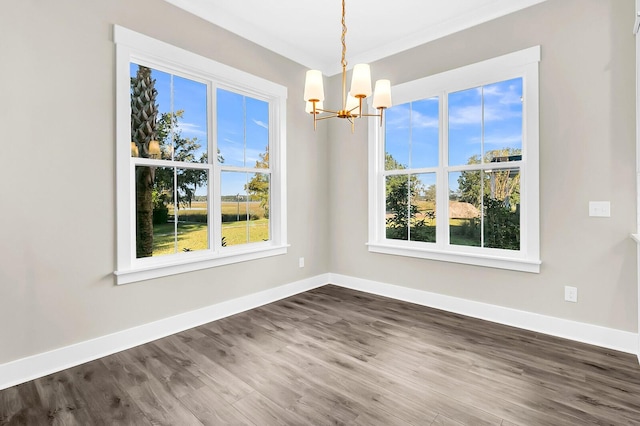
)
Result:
{"points": [[524, 64], [141, 49]]}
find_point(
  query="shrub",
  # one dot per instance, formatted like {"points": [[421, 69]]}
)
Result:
{"points": [[501, 225]]}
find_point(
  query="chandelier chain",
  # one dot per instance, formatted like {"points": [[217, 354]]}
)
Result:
{"points": [[344, 33]]}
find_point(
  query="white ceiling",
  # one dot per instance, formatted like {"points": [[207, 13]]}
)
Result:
{"points": [[308, 32]]}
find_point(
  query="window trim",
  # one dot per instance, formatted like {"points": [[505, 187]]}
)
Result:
{"points": [[136, 47], [523, 63]]}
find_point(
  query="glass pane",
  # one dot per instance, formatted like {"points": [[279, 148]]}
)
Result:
{"points": [[397, 137], [424, 133], [502, 209], [245, 206], [155, 233], [234, 206], [165, 125], [503, 121], [168, 116], [230, 112], [257, 133], [190, 125], [465, 205], [192, 210], [423, 207], [465, 127], [164, 226], [258, 190], [150, 93], [397, 207]]}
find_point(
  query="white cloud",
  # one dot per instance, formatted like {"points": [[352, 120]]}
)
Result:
{"points": [[465, 115], [498, 109], [496, 94], [399, 116], [261, 124], [191, 129], [419, 120]]}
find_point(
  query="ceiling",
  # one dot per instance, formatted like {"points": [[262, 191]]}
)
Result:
{"points": [[308, 32]]}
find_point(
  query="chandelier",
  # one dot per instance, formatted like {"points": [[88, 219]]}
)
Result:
{"points": [[352, 100]]}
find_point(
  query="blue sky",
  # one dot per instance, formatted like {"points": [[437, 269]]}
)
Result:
{"points": [[243, 123], [243, 134], [412, 128]]}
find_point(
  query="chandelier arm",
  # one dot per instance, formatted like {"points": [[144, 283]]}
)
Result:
{"points": [[381, 115], [330, 111], [324, 117]]}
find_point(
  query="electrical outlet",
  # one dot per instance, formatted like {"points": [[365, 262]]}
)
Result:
{"points": [[570, 294], [301, 262]]}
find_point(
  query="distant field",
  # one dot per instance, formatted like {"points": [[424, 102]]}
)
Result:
{"points": [[252, 207], [231, 212], [426, 205], [228, 207]]}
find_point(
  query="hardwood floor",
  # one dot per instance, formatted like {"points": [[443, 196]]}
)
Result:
{"points": [[337, 356]]}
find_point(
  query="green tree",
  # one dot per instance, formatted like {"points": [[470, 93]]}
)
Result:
{"points": [[503, 185], [501, 225], [171, 140], [469, 186], [430, 193], [258, 186], [144, 112], [498, 195], [401, 192]]}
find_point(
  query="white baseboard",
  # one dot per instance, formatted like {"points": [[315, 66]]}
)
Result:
{"points": [[39, 365], [33, 367], [610, 338]]}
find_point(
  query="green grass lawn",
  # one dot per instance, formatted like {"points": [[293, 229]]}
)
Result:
{"points": [[193, 236], [245, 231], [460, 235]]}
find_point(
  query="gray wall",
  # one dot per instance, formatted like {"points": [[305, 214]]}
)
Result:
{"points": [[57, 91], [587, 152], [57, 203]]}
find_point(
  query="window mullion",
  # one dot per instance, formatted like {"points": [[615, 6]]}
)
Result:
{"points": [[409, 198], [175, 209], [442, 186], [214, 222], [409, 206], [482, 158]]}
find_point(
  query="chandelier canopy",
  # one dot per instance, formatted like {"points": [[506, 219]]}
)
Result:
{"points": [[352, 100]]}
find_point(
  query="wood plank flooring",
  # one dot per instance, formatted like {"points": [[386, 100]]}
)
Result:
{"points": [[337, 356]]}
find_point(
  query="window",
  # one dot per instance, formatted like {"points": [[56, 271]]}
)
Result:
{"points": [[454, 168], [200, 161]]}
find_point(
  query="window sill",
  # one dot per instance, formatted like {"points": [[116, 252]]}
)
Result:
{"points": [[157, 271], [523, 265]]}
